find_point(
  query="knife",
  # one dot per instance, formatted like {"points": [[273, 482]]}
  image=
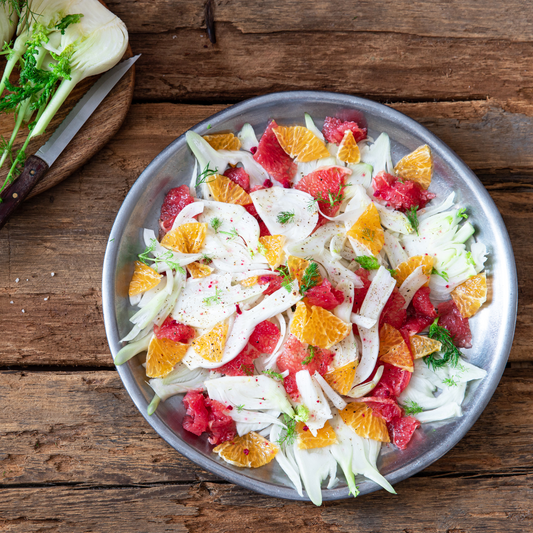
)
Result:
{"points": [[37, 165]]}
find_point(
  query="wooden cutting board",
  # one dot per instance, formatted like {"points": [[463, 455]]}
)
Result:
{"points": [[92, 137]]}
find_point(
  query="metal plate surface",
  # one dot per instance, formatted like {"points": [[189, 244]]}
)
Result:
{"points": [[492, 328]]}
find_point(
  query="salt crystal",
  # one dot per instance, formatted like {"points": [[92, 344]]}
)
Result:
{"points": [[17, 280], [46, 299], [52, 274], [23, 311], [11, 302]]}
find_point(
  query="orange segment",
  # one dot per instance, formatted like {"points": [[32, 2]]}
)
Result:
{"points": [[250, 450], [362, 420], [297, 268], [199, 270], [348, 149], [211, 345], [318, 327], [223, 141], [393, 349], [300, 319], [324, 437], [368, 231], [274, 249], [422, 346], [227, 191], [249, 282], [341, 379], [405, 269], [144, 278], [187, 238], [471, 295], [163, 355], [417, 166], [301, 143]]}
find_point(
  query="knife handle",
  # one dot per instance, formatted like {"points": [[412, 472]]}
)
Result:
{"points": [[34, 169]]}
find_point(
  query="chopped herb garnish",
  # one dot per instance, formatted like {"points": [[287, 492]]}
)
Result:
{"points": [[332, 199], [240, 407], [312, 205], [215, 299], [206, 259], [450, 353], [392, 271], [412, 216], [310, 278], [163, 258], [462, 213], [215, 224], [312, 352], [368, 235], [286, 282], [233, 234], [285, 217], [302, 415], [276, 375], [206, 173], [450, 382], [246, 370], [290, 432], [442, 274], [412, 408], [368, 261]]}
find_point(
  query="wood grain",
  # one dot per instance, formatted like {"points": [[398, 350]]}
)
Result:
{"points": [[82, 428], [491, 20], [66, 231], [384, 66]]}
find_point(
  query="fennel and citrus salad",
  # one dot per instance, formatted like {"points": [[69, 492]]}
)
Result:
{"points": [[309, 298]]}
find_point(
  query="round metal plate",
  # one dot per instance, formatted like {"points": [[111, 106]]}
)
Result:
{"points": [[492, 328]]}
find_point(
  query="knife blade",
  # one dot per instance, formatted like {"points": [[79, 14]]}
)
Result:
{"points": [[37, 165]]}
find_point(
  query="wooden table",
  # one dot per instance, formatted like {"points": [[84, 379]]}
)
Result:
{"points": [[75, 454]]}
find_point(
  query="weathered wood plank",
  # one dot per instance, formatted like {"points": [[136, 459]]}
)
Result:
{"points": [[386, 66], [65, 231], [82, 427], [460, 505], [496, 20]]}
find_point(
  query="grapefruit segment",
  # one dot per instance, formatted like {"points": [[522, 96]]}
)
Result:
{"points": [[271, 156], [335, 128], [250, 450], [175, 200], [144, 278]]}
